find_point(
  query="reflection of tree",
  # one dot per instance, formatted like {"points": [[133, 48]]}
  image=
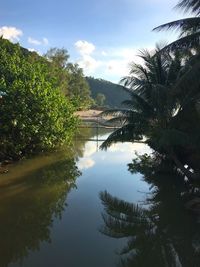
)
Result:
{"points": [[165, 234], [27, 209], [84, 134]]}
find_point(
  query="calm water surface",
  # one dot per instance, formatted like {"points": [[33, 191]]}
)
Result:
{"points": [[51, 210]]}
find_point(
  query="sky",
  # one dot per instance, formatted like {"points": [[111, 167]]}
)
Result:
{"points": [[102, 36]]}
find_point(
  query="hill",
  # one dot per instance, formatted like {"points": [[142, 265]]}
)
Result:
{"points": [[114, 93]]}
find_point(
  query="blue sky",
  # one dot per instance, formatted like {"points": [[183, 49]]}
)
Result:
{"points": [[102, 36]]}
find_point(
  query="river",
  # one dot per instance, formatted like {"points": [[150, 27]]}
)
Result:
{"points": [[57, 210]]}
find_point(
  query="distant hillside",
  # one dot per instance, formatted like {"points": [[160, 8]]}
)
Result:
{"points": [[114, 93]]}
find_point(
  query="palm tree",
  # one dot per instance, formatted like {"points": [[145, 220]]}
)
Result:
{"points": [[151, 106], [163, 91], [189, 28]]}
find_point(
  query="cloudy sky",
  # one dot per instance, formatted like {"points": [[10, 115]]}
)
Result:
{"points": [[102, 36]]}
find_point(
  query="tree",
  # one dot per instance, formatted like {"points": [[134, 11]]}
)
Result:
{"points": [[34, 115], [69, 78], [79, 90], [58, 59], [158, 109], [189, 28], [100, 99]]}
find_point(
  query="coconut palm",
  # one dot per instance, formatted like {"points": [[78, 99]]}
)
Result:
{"points": [[150, 105], [163, 92], [189, 28]]}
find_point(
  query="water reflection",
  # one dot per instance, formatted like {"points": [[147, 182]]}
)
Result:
{"points": [[29, 202], [163, 233], [33, 198]]}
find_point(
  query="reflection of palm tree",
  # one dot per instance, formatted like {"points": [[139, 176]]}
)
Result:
{"points": [[124, 219], [151, 241]]}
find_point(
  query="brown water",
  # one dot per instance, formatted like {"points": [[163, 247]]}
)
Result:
{"points": [[51, 212]]}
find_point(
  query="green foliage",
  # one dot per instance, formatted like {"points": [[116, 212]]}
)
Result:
{"points": [[189, 29], [114, 93], [100, 99], [78, 88], [163, 108], [34, 115], [69, 78]]}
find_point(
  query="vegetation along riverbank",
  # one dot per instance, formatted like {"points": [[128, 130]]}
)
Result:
{"points": [[38, 97]]}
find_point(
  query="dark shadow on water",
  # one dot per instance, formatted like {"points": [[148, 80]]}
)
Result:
{"points": [[162, 233], [30, 202]]}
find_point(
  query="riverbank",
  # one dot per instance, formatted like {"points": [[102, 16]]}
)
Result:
{"points": [[92, 113]]}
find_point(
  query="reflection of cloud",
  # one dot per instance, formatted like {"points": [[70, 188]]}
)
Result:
{"points": [[128, 147], [86, 163], [90, 149]]}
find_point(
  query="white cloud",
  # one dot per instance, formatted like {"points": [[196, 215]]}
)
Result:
{"points": [[33, 41], [84, 47], [112, 64], [87, 62], [121, 58], [10, 33], [86, 163], [104, 53], [45, 41], [34, 50], [31, 50]]}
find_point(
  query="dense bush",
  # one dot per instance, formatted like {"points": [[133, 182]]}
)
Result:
{"points": [[34, 115]]}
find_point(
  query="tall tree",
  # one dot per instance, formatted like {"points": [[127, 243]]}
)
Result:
{"points": [[34, 115], [158, 109], [100, 99], [69, 78]]}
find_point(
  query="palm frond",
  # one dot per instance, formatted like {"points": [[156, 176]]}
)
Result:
{"points": [[119, 120], [119, 206], [114, 112], [192, 5], [115, 228], [127, 133], [187, 87], [191, 41], [145, 54], [140, 104], [122, 218], [181, 24]]}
